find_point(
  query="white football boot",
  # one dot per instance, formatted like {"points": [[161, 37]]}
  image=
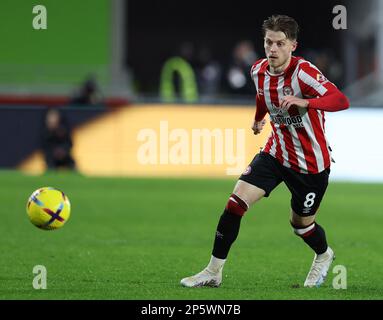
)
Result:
{"points": [[319, 268], [205, 278]]}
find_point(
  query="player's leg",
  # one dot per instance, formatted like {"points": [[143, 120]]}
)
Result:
{"points": [[315, 237], [243, 196], [310, 231], [307, 194], [257, 181]]}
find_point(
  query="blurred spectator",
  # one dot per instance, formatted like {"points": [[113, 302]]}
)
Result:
{"points": [[57, 142], [238, 80], [209, 74], [325, 61], [187, 52], [89, 93], [178, 79]]}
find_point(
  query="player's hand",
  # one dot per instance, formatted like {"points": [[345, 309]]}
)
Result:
{"points": [[289, 101], [258, 126]]}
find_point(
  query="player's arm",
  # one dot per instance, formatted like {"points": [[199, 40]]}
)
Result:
{"points": [[259, 120], [313, 84], [333, 100]]}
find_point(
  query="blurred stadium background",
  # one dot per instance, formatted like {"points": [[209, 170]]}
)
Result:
{"points": [[144, 212]]}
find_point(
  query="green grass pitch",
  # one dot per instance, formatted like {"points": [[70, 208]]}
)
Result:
{"points": [[136, 238]]}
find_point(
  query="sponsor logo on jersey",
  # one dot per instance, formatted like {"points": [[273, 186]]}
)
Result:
{"points": [[321, 78], [295, 121]]}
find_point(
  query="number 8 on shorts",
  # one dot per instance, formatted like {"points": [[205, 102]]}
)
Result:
{"points": [[309, 200]]}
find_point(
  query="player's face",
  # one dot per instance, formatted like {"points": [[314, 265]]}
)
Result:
{"points": [[278, 50]]}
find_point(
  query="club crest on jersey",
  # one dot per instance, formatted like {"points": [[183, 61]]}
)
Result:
{"points": [[247, 171], [288, 91]]}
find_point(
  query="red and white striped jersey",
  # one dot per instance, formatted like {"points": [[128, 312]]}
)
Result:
{"points": [[298, 138]]}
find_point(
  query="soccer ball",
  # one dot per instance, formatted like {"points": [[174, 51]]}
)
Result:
{"points": [[48, 208]]}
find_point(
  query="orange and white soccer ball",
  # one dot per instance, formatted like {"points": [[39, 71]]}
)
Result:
{"points": [[48, 208]]}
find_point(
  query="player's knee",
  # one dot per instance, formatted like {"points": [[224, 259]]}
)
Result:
{"points": [[236, 205], [303, 231]]}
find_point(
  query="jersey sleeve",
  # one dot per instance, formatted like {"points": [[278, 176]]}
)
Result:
{"points": [[252, 70], [260, 110], [322, 93]]}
